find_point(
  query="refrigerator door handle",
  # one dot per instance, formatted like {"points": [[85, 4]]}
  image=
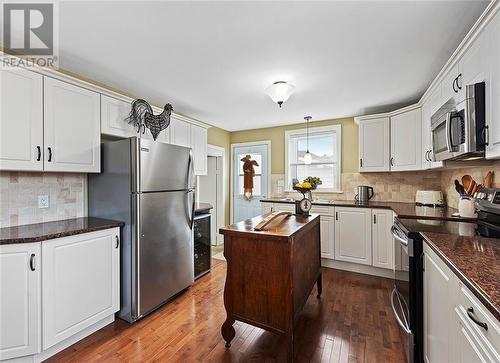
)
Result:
{"points": [[192, 208]]}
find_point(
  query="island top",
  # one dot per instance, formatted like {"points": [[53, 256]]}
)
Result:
{"points": [[282, 227]]}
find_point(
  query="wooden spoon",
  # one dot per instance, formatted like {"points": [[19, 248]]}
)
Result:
{"points": [[477, 188], [488, 180], [467, 183]]}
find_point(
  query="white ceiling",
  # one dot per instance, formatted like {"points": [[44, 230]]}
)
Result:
{"points": [[213, 60]]}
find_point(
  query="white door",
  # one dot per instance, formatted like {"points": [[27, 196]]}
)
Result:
{"points": [[353, 238], [72, 131], [20, 300], [243, 208], [382, 241], [374, 144], [114, 113], [180, 132], [327, 230], [208, 193], [406, 142], [199, 146], [437, 310], [492, 97], [81, 277], [21, 120]]}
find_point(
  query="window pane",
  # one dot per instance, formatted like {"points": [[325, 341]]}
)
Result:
{"points": [[257, 185], [256, 157], [326, 172], [322, 147]]}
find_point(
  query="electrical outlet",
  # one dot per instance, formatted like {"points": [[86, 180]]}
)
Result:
{"points": [[43, 201]]}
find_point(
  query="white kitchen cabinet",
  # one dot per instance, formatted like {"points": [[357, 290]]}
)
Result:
{"points": [[199, 146], [435, 100], [266, 207], [450, 85], [426, 151], [353, 240], [473, 65], [20, 302], [72, 137], [467, 349], [382, 240], [374, 144], [406, 141], [180, 132], [327, 233], [21, 120], [80, 279], [492, 37], [114, 113], [438, 309]]}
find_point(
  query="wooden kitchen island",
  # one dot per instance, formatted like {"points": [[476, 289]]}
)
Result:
{"points": [[270, 273]]}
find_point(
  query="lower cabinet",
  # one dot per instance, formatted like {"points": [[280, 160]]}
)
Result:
{"points": [[20, 300], [327, 226], [53, 291], [382, 242], [353, 240]]}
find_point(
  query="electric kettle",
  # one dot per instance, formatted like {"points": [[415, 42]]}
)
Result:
{"points": [[363, 193]]}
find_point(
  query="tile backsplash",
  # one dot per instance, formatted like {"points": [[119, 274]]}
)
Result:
{"points": [[19, 193]]}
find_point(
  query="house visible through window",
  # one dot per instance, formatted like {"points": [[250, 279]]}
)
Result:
{"points": [[325, 146]]}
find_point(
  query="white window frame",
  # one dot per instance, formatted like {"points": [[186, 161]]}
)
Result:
{"points": [[312, 132]]}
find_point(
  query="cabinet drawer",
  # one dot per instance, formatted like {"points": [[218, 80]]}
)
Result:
{"points": [[490, 338], [285, 207], [322, 210]]}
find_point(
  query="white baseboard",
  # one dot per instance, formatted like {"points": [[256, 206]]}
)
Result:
{"points": [[356, 267]]}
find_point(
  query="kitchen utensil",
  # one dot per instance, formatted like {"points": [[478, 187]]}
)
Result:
{"points": [[488, 180], [472, 186], [466, 182], [459, 188], [476, 188], [363, 193]]}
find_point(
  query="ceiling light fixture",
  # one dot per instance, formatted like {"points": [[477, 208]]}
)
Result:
{"points": [[307, 155], [280, 91]]}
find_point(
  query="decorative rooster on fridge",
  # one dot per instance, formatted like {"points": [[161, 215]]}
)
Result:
{"points": [[142, 116]]}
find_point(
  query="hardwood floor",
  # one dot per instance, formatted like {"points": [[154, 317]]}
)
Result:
{"points": [[352, 322]]}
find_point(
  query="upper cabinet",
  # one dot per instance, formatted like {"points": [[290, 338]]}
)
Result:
{"points": [[406, 141], [427, 158], [21, 120], [113, 115], [199, 146], [72, 137], [180, 132], [492, 39], [374, 144]]}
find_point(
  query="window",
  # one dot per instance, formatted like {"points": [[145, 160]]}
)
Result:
{"points": [[257, 179], [325, 146]]}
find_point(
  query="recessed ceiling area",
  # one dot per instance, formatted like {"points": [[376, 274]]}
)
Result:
{"points": [[214, 60]]}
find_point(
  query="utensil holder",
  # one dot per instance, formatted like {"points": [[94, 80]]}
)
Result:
{"points": [[466, 207]]}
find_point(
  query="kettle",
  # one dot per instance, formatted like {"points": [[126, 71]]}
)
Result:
{"points": [[363, 193]]}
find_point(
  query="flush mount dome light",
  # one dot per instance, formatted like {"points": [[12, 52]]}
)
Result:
{"points": [[280, 91]]}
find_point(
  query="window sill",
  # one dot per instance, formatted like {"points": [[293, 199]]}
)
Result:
{"points": [[318, 191]]}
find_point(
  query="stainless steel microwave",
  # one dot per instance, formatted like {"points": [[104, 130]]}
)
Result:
{"points": [[458, 128]]}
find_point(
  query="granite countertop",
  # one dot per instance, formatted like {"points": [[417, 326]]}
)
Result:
{"points": [[403, 210], [474, 259], [49, 230]]}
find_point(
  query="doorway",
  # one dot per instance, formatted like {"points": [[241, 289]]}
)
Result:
{"points": [[243, 208]]}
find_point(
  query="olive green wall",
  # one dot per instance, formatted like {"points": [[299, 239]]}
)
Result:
{"points": [[222, 138], [277, 136]]}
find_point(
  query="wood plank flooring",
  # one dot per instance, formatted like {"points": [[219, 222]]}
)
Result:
{"points": [[352, 322]]}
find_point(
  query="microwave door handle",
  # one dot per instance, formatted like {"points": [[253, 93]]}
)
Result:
{"points": [[448, 132]]}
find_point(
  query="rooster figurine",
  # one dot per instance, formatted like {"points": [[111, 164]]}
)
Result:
{"points": [[141, 115]]}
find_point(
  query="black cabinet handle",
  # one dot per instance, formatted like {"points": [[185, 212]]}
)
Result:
{"points": [[392, 161], [139, 128], [470, 313], [50, 154], [39, 152], [374, 219], [455, 82], [336, 216], [361, 162], [32, 262], [117, 241], [143, 129], [458, 84]]}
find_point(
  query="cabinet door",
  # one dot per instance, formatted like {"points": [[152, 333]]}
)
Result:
{"points": [[449, 87], [473, 65], [435, 100], [21, 120], [114, 113], [353, 237], [20, 300], [467, 349], [327, 232], [374, 145], [426, 135], [199, 146], [438, 309], [180, 133], [266, 207], [492, 97], [406, 142], [80, 283], [72, 133], [382, 241]]}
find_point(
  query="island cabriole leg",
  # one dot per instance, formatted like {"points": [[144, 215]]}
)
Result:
{"points": [[319, 284], [227, 329]]}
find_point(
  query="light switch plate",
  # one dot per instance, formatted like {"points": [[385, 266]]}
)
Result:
{"points": [[43, 201]]}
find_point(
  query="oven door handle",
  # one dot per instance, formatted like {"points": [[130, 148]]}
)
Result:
{"points": [[397, 236], [398, 319], [449, 145]]}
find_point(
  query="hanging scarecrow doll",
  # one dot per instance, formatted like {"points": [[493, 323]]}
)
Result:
{"points": [[248, 174]]}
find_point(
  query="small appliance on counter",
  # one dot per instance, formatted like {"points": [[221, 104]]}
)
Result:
{"points": [[429, 198], [363, 193]]}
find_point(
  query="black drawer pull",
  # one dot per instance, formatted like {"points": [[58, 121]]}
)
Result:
{"points": [[39, 152], [32, 262], [470, 313], [50, 154], [117, 242]]}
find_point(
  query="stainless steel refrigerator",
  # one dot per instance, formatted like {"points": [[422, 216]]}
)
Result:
{"points": [[149, 186]]}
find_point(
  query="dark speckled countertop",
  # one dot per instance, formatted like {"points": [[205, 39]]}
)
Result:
{"points": [[49, 230], [403, 210], [475, 260]]}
